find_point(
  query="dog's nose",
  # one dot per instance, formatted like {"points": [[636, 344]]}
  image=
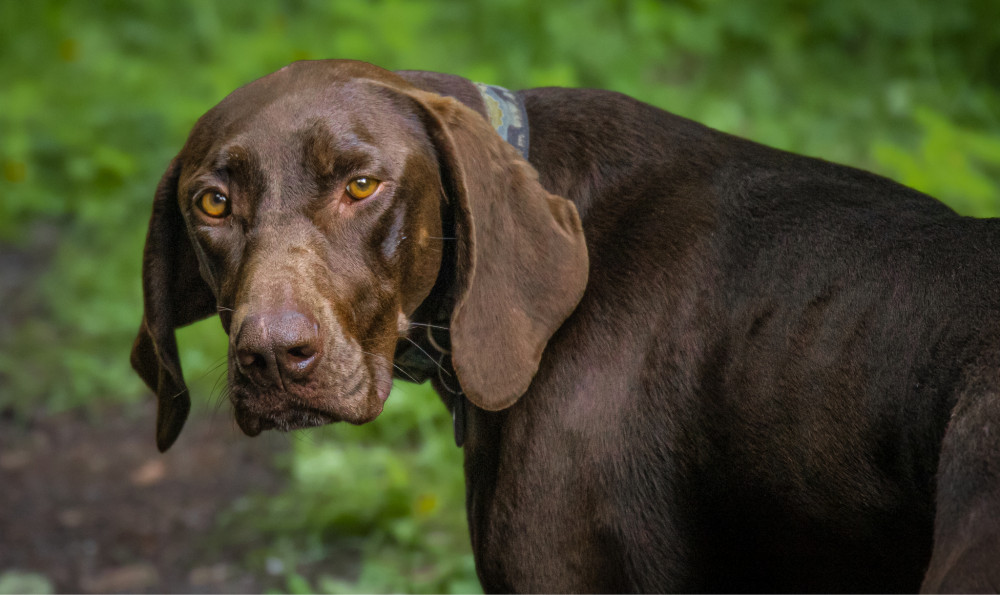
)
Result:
{"points": [[276, 346]]}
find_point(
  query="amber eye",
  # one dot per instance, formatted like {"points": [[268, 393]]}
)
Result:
{"points": [[214, 204], [362, 187]]}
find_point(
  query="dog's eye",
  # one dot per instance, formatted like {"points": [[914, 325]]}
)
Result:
{"points": [[213, 204], [362, 187]]}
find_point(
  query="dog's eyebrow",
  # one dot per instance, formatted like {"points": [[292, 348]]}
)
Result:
{"points": [[237, 162], [330, 155]]}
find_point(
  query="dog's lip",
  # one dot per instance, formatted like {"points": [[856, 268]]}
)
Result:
{"points": [[383, 382], [250, 423], [287, 418]]}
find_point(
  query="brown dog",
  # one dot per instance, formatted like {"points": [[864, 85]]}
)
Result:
{"points": [[745, 370]]}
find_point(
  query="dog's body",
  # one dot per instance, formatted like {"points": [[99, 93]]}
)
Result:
{"points": [[782, 374]]}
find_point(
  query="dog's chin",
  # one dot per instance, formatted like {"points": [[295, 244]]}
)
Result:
{"points": [[255, 413], [253, 423]]}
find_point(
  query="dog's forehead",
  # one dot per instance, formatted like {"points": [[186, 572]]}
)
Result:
{"points": [[286, 108]]}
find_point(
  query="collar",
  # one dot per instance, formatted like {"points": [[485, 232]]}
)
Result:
{"points": [[506, 112], [428, 357]]}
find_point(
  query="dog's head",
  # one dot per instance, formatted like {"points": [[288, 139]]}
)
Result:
{"points": [[306, 209]]}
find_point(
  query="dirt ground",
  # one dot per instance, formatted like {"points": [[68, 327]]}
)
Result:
{"points": [[89, 503]]}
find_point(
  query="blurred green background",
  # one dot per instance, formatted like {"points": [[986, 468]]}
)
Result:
{"points": [[96, 97]]}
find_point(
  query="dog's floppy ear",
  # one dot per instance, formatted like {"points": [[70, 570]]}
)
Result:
{"points": [[521, 257], [174, 294]]}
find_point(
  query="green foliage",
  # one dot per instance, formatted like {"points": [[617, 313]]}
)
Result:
{"points": [[387, 497], [97, 97], [14, 581], [950, 162]]}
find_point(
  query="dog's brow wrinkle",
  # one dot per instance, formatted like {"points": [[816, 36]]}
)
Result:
{"points": [[240, 166], [362, 133], [236, 159], [330, 152]]}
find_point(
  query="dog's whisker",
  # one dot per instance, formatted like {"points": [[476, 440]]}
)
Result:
{"points": [[303, 436], [224, 309], [363, 342], [394, 365], [179, 393], [421, 349], [223, 392], [424, 324], [215, 385], [215, 366], [404, 372]]}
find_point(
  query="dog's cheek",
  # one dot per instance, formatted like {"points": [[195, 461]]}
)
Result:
{"points": [[366, 309], [421, 253], [418, 254], [219, 253], [229, 288], [423, 275], [389, 246]]}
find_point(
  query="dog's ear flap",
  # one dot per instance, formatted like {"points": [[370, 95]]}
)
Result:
{"points": [[522, 261], [174, 294]]}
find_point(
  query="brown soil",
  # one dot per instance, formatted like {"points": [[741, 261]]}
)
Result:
{"points": [[88, 502]]}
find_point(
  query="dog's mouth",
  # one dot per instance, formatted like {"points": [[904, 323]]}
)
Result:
{"points": [[357, 400], [253, 422]]}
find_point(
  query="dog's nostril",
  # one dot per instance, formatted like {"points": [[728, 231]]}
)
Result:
{"points": [[276, 346], [302, 352], [249, 359]]}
